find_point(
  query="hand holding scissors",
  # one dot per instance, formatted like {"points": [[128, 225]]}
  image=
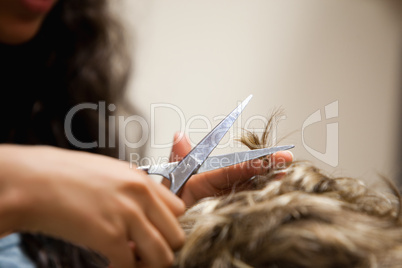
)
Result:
{"points": [[197, 160]]}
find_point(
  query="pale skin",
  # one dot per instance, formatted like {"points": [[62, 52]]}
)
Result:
{"points": [[97, 201]]}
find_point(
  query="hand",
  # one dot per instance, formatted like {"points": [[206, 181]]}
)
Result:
{"points": [[90, 200], [221, 180]]}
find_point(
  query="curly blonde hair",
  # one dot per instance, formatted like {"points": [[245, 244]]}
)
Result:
{"points": [[306, 219]]}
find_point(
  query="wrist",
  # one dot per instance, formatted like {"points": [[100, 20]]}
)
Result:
{"points": [[14, 201], [12, 209]]}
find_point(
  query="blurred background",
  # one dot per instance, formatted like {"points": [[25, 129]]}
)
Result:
{"points": [[333, 67]]}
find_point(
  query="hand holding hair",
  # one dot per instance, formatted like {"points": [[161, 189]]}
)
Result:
{"points": [[222, 180]]}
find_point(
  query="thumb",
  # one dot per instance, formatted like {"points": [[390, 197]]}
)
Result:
{"points": [[181, 147]]}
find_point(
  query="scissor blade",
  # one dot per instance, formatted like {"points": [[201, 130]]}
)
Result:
{"points": [[225, 160], [216, 161], [197, 156]]}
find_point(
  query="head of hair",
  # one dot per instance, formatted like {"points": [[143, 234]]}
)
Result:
{"points": [[305, 219]]}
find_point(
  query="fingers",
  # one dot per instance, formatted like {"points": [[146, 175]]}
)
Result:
{"points": [[217, 181], [150, 246], [156, 217], [225, 177], [281, 159], [173, 203], [181, 147], [150, 219], [121, 255], [166, 223]]}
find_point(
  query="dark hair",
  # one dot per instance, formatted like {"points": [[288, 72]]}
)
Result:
{"points": [[77, 56]]}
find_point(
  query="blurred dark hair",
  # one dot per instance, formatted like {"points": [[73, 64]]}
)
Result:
{"points": [[79, 55]]}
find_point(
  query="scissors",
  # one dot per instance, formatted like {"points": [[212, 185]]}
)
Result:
{"points": [[197, 161]]}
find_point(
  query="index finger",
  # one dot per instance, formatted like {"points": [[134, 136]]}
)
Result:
{"points": [[173, 202], [225, 177]]}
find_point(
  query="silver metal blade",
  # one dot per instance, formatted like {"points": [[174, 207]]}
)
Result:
{"points": [[216, 161], [225, 160], [199, 154]]}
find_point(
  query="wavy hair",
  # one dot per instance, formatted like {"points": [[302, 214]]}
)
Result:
{"points": [[306, 219]]}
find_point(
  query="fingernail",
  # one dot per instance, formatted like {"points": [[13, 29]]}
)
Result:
{"points": [[291, 155], [177, 135]]}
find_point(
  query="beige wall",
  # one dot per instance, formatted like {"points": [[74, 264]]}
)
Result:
{"points": [[205, 56]]}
